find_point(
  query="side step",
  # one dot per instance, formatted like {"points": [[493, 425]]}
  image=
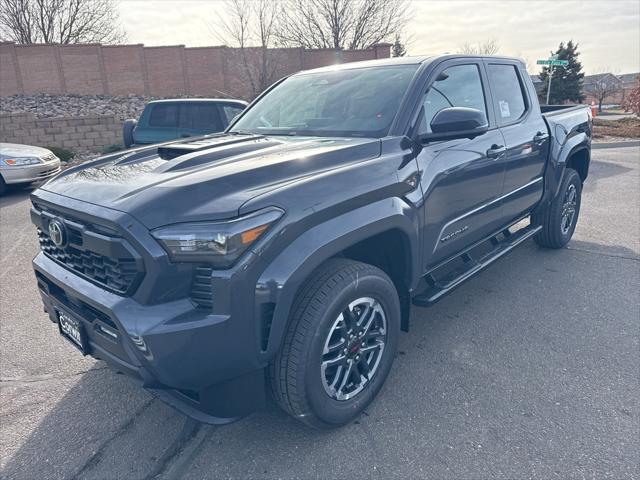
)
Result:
{"points": [[438, 287]]}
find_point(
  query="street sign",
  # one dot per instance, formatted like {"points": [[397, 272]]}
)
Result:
{"points": [[560, 63], [552, 62]]}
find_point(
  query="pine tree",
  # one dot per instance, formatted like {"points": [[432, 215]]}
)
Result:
{"points": [[566, 83], [398, 49]]}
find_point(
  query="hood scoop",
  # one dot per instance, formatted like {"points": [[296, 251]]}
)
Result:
{"points": [[173, 150], [200, 153]]}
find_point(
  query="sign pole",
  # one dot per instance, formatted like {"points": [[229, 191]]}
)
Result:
{"points": [[549, 86]]}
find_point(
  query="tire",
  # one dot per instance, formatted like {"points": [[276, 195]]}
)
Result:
{"points": [[557, 227], [3, 186], [127, 132], [301, 373]]}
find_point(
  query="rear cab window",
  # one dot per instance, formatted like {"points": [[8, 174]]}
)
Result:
{"points": [[456, 86], [164, 115], [231, 112], [510, 102], [200, 117]]}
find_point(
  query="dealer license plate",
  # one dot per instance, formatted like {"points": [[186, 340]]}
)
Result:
{"points": [[71, 328]]}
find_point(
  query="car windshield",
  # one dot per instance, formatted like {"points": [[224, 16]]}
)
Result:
{"points": [[358, 102]]}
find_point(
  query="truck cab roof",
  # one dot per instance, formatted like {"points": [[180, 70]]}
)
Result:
{"points": [[198, 100], [412, 60]]}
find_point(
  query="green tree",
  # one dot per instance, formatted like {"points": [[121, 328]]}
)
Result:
{"points": [[566, 82], [398, 49]]}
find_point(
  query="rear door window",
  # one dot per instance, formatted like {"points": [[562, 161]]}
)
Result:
{"points": [[457, 86], [508, 95], [164, 115], [201, 117]]}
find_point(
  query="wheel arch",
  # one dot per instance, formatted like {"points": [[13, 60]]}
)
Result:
{"points": [[579, 160], [356, 235]]}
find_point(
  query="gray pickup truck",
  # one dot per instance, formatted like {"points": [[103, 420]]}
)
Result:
{"points": [[285, 254], [172, 119]]}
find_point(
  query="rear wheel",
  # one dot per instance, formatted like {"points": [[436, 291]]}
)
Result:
{"points": [[339, 346], [559, 219]]}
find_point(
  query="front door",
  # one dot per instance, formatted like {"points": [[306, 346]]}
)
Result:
{"points": [[462, 179]]}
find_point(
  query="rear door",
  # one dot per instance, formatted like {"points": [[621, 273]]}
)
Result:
{"points": [[158, 123], [462, 178], [525, 132], [199, 118]]}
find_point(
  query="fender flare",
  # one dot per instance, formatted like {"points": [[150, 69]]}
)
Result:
{"points": [[562, 153], [285, 274]]}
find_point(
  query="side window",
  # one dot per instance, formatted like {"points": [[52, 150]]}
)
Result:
{"points": [[509, 99], [459, 86], [200, 116], [164, 115], [230, 112]]}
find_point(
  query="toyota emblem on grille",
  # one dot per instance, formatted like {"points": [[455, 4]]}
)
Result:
{"points": [[57, 233]]}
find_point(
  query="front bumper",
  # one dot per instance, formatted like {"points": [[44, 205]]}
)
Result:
{"points": [[30, 173], [173, 349], [208, 362]]}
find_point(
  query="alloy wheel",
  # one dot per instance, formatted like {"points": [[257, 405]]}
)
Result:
{"points": [[353, 348], [569, 209]]}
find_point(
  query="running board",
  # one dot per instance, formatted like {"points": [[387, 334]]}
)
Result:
{"points": [[502, 243]]}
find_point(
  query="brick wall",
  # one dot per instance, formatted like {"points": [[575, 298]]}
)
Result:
{"points": [[158, 71], [80, 133]]}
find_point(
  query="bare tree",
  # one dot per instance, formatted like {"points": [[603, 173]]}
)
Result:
{"points": [[341, 24], [603, 85], [488, 47], [60, 21], [250, 26]]}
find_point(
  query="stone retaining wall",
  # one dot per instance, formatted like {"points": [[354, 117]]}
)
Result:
{"points": [[76, 134]]}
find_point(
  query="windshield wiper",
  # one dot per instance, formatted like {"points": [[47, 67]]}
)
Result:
{"points": [[242, 132]]}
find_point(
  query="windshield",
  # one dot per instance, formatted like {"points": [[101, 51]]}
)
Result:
{"points": [[344, 103]]}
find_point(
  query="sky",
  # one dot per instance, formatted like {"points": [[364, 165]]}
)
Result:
{"points": [[607, 31]]}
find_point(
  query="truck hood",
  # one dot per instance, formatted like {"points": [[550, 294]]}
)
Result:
{"points": [[205, 179]]}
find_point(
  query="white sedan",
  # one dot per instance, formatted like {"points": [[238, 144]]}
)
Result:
{"points": [[26, 164]]}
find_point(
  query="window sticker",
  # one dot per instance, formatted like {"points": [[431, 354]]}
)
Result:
{"points": [[504, 109]]}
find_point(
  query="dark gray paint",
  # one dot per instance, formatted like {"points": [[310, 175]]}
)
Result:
{"points": [[335, 192]]}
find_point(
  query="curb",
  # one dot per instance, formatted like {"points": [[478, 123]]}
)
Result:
{"points": [[629, 143]]}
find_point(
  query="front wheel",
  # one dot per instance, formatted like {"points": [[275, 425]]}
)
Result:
{"points": [[559, 219], [339, 346]]}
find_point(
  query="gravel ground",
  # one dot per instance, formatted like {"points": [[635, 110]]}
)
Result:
{"points": [[529, 370]]}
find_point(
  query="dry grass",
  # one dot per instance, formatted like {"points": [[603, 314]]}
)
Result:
{"points": [[623, 128]]}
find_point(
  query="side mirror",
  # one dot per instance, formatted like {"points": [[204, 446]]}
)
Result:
{"points": [[457, 122]]}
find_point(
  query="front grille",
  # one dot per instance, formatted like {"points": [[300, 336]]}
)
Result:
{"points": [[76, 305], [116, 274], [201, 289], [49, 172]]}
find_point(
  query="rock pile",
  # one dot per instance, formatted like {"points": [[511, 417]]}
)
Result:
{"points": [[45, 105]]}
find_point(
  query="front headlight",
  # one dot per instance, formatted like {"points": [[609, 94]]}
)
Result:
{"points": [[217, 243], [22, 161]]}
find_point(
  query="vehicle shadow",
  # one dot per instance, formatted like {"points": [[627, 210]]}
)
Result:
{"points": [[445, 366], [601, 170], [14, 195]]}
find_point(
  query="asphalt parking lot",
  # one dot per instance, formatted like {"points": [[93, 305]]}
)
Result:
{"points": [[529, 370]]}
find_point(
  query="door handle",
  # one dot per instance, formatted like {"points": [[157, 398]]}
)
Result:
{"points": [[540, 137], [496, 151], [185, 135]]}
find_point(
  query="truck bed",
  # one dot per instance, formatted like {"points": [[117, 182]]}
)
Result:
{"points": [[551, 110]]}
